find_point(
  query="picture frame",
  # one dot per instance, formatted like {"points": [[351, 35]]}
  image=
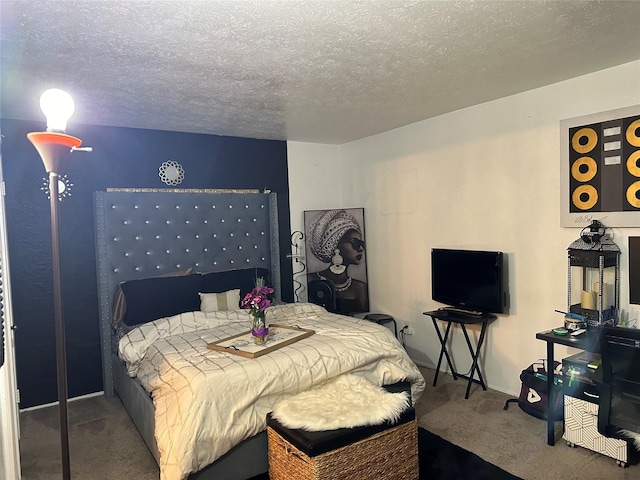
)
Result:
{"points": [[243, 344], [344, 271], [600, 169]]}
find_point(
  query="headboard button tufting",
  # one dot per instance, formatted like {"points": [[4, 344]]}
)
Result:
{"points": [[186, 230]]}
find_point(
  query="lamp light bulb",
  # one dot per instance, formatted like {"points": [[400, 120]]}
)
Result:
{"points": [[57, 105]]}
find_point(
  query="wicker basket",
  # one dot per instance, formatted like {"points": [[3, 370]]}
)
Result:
{"points": [[391, 454]]}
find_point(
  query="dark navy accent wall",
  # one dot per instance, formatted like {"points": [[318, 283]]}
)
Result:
{"points": [[122, 158]]}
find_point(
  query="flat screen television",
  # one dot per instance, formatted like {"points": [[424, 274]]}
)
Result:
{"points": [[470, 280]]}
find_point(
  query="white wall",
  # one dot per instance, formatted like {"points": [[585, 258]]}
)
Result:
{"points": [[486, 177], [315, 183]]}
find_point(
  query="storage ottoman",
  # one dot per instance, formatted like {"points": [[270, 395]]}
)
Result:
{"points": [[386, 451]]}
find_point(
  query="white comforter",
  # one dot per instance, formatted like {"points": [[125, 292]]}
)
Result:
{"points": [[207, 402]]}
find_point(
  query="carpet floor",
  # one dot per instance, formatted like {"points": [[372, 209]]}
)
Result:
{"points": [[442, 460], [105, 444]]}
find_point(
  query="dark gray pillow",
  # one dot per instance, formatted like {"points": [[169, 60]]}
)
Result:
{"points": [[119, 306], [244, 279], [151, 298]]}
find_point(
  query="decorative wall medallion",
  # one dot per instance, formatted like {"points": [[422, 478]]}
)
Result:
{"points": [[171, 172], [64, 187]]}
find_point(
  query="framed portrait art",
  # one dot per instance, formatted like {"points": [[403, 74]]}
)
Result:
{"points": [[336, 259], [600, 169]]}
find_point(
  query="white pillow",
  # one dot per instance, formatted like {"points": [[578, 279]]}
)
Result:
{"points": [[216, 302]]}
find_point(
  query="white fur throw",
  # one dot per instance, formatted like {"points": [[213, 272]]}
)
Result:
{"points": [[634, 436], [345, 402]]}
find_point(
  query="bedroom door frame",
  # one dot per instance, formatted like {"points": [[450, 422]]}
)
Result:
{"points": [[9, 411]]}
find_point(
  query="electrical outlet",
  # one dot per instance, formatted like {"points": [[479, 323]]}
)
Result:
{"points": [[408, 331]]}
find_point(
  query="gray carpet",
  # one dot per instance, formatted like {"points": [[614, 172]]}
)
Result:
{"points": [[105, 445]]}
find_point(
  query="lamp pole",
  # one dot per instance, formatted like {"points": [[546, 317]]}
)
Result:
{"points": [[61, 348], [53, 146]]}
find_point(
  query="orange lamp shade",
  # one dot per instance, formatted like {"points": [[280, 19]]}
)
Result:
{"points": [[52, 147]]}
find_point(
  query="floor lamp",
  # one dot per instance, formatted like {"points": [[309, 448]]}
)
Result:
{"points": [[53, 146]]}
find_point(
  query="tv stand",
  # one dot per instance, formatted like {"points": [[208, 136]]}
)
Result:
{"points": [[462, 318]]}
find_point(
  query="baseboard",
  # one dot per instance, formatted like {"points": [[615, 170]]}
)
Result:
{"points": [[447, 372], [55, 404], [423, 364]]}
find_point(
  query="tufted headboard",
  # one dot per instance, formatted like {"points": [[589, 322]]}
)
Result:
{"points": [[142, 234]]}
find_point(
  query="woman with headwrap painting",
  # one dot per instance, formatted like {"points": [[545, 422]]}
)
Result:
{"points": [[335, 237]]}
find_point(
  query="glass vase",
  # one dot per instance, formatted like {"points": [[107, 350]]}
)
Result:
{"points": [[259, 329]]}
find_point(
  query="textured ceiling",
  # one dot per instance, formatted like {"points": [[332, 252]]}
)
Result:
{"points": [[326, 71]]}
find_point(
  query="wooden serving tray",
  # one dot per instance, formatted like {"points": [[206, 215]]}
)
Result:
{"points": [[243, 345]]}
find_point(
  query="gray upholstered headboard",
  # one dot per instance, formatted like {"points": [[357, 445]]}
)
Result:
{"points": [[146, 234]]}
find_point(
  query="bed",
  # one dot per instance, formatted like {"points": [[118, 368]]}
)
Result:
{"points": [[159, 251]]}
